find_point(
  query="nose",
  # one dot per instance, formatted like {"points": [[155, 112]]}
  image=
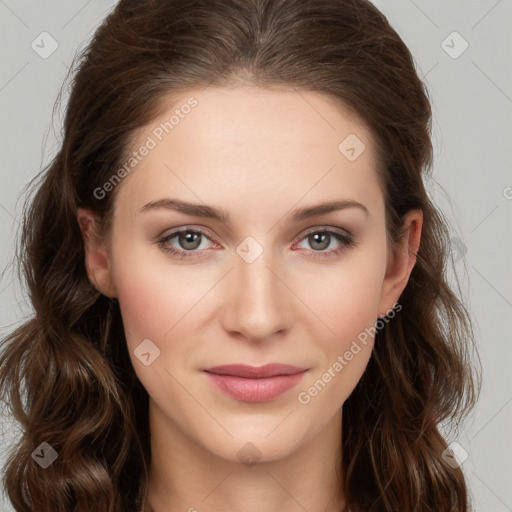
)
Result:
{"points": [[258, 302]]}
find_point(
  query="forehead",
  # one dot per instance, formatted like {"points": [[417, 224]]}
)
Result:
{"points": [[252, 141]]}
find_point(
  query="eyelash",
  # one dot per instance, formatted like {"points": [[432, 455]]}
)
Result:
{"points": [[346, 240]]}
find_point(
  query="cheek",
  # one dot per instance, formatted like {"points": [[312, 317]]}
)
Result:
{"points": [[349, 310], [347, 305], [161, 303], [145, 306], [153, 309], [354, 304], [346, 298], [153, 295]]}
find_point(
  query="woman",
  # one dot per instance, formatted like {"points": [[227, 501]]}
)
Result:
{"points": [[238, 278]]}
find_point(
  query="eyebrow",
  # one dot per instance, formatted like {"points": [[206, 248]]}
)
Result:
{"points": [[201, 210]]}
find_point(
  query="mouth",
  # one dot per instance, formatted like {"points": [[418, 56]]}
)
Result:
{"points": [[255, 383]]}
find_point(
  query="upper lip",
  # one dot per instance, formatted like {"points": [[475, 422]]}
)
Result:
{"points": [[255, 372]]}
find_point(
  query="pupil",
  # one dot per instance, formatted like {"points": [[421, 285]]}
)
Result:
{"points": [[190, 238], [317, 238]]}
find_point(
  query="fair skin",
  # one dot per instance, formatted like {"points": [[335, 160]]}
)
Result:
{"points": [[259, 155]]}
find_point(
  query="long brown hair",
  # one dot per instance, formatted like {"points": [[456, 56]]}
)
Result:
{"points": [[66, 374]]}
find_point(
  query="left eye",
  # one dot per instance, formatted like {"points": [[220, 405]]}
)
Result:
{"points": [[190, 242], [320, 240]]}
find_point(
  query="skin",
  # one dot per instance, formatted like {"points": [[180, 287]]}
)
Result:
{"points": [[259, 154]]}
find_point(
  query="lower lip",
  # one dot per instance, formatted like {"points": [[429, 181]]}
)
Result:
{"points": [[255, 390]]}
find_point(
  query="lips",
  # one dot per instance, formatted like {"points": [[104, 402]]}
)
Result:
{"points": [[255, 372], [255, 384]]}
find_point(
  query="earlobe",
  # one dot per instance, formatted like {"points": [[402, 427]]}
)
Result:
{"points": [[402, 261], [97, 262]]}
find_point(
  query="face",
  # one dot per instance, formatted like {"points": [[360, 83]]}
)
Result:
{"points": [[270, 281]]}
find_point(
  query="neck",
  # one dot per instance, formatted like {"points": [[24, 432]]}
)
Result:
{"points": [[184, 476]]}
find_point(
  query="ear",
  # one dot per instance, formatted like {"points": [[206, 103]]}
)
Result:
{"points": [[401, 262], [97, 260]]}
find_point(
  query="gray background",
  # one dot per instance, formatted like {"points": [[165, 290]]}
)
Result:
{"points": [[472, 101]]}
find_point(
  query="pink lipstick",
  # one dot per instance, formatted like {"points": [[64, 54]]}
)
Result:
{"points": [[255, 383]]}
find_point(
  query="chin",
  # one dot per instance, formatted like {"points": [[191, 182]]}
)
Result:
{"points": [[251, 449]]}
